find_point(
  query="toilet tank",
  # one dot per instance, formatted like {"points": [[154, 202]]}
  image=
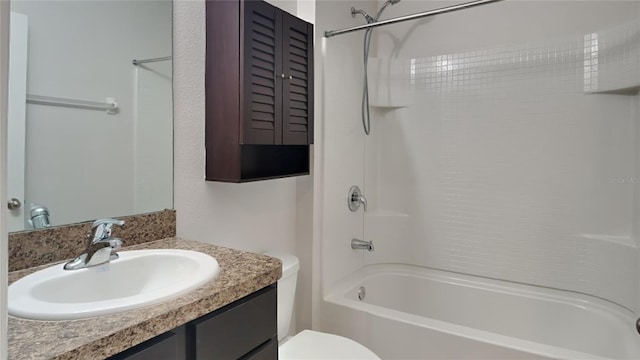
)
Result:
{"points": [[286, 290]]}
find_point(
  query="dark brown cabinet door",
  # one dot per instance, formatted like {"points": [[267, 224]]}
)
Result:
{"points": [[239, 330], [259, 92], [246, 329], [278, 83], [167, 346], [297, 94], [262, 74]]}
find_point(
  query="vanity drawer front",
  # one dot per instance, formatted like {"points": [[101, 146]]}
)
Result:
{"points": [[168, 346], [237, 329], [267, 351]]}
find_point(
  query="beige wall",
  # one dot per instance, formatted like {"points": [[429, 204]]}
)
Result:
{"points": [[257, 216]]}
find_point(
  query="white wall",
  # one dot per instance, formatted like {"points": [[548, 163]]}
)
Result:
{"points": [[4, 80], [636, 233], [304, 234], [153, 137], [497, 163], [257, 216], [340, 142], [636, 230], [77, 51]]}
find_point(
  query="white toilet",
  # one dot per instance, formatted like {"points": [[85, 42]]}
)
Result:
{"points": [[308, 344]]}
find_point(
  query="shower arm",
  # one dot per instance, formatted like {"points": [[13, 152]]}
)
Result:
{"points": [[444, 10], [367, 17], [384, 6]]}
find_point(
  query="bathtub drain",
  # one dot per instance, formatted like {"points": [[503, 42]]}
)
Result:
{"points": [[362, 292]]}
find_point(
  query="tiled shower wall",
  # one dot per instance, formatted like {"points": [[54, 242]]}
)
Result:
{"points": [[516, 161]]}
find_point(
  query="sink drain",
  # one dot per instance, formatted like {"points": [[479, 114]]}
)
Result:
{"points": [[362, 292]]}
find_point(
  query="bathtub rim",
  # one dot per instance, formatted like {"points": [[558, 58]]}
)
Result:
{"points": [[338, 295]]}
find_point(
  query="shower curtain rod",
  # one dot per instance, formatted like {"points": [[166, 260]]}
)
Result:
{"points": [[443, 10], [144, 61]]}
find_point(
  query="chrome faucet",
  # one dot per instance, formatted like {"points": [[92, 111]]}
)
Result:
{"points": [[101, 247], [39, 216], [358, 244]]}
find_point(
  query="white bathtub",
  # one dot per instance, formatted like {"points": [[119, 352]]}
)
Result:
{"points": [[417, 313]]}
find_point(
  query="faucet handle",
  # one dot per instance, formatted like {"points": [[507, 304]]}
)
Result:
{"points": [[102, 228], [355, 198]]}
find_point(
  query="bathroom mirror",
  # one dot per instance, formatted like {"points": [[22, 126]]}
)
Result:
{"points": [[90, 132]]}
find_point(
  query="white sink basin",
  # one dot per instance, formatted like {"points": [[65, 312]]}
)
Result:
{"points": [[138, 278]]}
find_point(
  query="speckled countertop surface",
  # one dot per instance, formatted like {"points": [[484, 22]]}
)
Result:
{"points": [[241, 274]]}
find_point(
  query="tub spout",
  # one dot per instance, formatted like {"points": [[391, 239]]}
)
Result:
{"points": [[358, 244]]}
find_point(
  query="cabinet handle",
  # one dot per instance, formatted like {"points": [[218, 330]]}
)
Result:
{"points": [[290, 77]]}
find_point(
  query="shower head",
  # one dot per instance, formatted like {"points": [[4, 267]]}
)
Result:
{"points": [[386, 3], [369, 19]]}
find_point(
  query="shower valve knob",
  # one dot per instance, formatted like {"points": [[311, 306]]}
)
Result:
{"points": [[355, 198]]}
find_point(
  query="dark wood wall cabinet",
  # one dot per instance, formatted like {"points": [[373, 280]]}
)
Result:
{"points": [[245, 329], [259, 92]]}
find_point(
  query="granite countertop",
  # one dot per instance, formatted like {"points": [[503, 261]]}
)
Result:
{"points": [[241, 273]]}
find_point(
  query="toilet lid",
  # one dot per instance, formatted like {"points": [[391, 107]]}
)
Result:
{"points": [[310, 344]]}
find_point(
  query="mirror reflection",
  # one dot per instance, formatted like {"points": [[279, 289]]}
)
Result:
{"points": [[90, 129]]}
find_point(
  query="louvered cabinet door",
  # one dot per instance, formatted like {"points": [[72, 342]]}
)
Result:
{"points": [[297, 99], [262, 111], [258, 121]]}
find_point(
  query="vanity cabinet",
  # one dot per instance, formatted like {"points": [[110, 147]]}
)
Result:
{"points": [[168, 346], [245, 329], [259, 92]]}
